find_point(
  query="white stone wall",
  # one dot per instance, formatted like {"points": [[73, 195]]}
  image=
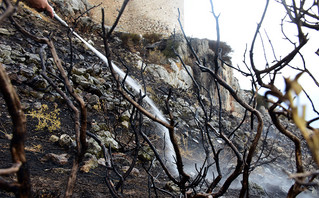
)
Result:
{"points": [[142, 16]]}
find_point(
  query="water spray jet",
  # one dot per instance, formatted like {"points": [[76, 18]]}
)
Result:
{"points": [[169, 151]]}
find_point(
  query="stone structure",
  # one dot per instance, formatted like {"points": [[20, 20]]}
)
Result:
{"points": [[142, 16]]}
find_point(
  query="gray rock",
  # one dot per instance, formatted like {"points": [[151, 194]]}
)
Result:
{"points": [[19, 78], [81, 57], [36, 94], [146, 154], [94, 70], [26, 71], [78, 78], [54, 138], [255, 189], [175, 76], [25, 106], [171, 187], [37, 105], [33, 58], [135, 172], [98, 90], [50, 97], [5, 47], [40, 83], [95, 128], [105, 134], [72, 7], [65, 140], [125, 116], [90, 163], [93, 80], [104, 126], [79, 71], [226, 123], [101, 161], [60, 170], [58, 159], [18, 56], [81, 80], [93, 147], [4, 31], [111, 142], [92, 99], [122, 159], [125, 124], [5, 53]]}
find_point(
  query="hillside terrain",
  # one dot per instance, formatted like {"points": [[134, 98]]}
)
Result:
{"points": [[50, 143], [48, 176]]}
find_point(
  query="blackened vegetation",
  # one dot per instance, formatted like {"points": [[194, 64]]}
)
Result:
{"points": [[245, 151]]}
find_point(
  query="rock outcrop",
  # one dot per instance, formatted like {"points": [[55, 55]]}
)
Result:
{"points": [[204, 50]]}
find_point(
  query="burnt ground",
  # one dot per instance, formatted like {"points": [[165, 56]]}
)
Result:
{"points": [[48, 178]]}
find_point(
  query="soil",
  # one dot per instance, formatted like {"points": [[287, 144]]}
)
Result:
{"points": [[48, 178]]}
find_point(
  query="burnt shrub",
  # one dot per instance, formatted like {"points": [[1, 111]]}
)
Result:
{"points": [[152, 37]]}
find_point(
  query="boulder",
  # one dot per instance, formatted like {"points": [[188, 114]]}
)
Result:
{"points": [[175, 75], [90, 163], [93, 147], [54, 138], [61, 159], [135, 172], [66, 140]]}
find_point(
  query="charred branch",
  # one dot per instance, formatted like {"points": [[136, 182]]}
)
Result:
{"points": [[17, 143]]}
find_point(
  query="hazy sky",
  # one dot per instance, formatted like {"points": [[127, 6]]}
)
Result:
{"points": [[238, 21]]}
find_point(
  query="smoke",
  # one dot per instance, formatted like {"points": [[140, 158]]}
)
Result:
{"points": [[269, 180], [274, 182]]}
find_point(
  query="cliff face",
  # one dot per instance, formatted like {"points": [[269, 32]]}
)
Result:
{"points": [[175, 74], [204, 50]]}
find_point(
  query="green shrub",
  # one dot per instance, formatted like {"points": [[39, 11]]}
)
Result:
{"points": [[224, 47], [170, 45]]}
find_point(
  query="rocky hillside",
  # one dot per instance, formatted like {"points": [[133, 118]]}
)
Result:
{"points": [[173, 73], [146, 58]]}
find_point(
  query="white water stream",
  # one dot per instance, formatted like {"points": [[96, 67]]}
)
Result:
{"points": [[169, 151]]}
